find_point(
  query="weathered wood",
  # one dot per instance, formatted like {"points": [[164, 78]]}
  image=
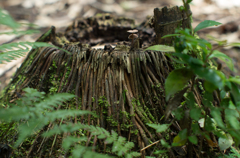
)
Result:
{"points": [[166, 20], [127, 79]]}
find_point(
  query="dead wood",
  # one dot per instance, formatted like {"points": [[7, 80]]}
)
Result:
{"points": [[122, 85]]}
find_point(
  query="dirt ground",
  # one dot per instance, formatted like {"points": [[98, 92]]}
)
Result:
{"points": [[61, 13]]}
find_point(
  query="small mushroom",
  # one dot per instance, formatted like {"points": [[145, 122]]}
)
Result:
{"points": [[132, 31], [133, 35]]}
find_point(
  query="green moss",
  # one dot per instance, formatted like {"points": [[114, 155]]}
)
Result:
{"points": [[112, 121]]}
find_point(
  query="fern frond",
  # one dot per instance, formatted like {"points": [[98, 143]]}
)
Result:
{"points": [[64, 114], [18, 33], [11, 55], [67, 142], [14, 114], [54, 100], [6, 19], [29, 128], [11, 51], [85, 152], [120, 145]]}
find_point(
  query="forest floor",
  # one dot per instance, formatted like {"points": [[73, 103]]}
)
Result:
{"points": [[61, 13]]}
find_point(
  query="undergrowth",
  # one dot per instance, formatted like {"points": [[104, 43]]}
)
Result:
{"points": [[30, 115], [212, 115], [216, 114], [35, 110]]}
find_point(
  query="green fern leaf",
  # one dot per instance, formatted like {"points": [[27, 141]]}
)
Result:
{"points": [[29, 128], [67, 142], [64, 114], [6, 19], [54, 100]]}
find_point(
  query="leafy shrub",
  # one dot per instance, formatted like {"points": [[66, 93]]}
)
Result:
{"points": [[217, 110]]}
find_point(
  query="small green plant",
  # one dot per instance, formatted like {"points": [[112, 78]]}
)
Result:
{"points": [[234, 154], [220, 117], [34, 111]]}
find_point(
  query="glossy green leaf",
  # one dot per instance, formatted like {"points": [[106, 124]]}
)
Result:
{"points": [[162, 48], [234, 79], [193, 139], [234, 93], [223, 57], [232, 117], [234, 44], [171, 35], [177, 80], [209, 86], [187, 59], [210, 75], [205, 24], [220, 42]]}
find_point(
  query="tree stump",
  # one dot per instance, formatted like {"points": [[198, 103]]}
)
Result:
{"points": [[124, 85]]}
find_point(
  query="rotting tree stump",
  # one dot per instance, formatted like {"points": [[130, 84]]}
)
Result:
{"points": [[126, 78]]}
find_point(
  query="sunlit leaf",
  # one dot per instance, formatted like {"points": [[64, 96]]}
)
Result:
{"points": [[220, 42], [6, 19], [234, 44], [205, 24], [225, 143], [234, 79], [201, 122], [180, 139], [19, 32], [162, 48], [223, 57]]}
